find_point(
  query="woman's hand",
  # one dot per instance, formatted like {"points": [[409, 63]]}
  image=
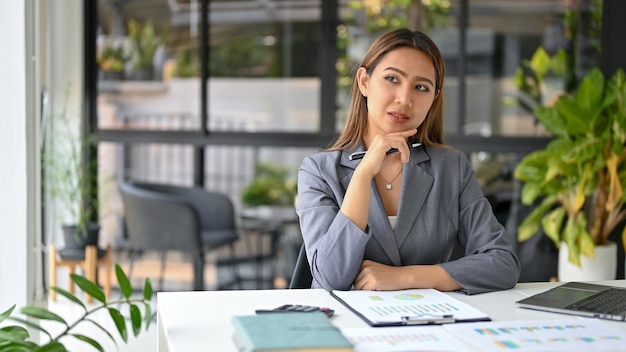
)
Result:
{"points": [[380, 277], [375, 158]]}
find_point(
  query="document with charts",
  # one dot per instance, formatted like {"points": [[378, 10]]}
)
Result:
{"points": [[408, 307], [541, 335], [432, 338]]}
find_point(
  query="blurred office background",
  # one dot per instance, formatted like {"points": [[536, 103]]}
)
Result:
{"points": [[209, 93]]}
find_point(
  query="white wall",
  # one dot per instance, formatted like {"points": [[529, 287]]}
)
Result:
{"points": [[16, 265]]}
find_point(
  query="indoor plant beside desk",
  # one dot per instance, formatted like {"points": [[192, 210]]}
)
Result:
{"points": [[17, 337], [578, 180], [70, 184]]}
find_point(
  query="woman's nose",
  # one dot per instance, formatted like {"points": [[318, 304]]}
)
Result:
{"points": [[403, 97]]}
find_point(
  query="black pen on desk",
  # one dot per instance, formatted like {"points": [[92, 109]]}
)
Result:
{"points": [[360, 155]]}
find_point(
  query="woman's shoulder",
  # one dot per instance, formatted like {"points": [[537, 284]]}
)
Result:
{"points": [[323, 158], [443, 151]]}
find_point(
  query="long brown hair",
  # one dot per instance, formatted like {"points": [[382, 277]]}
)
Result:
{"points": [[430, 132]]}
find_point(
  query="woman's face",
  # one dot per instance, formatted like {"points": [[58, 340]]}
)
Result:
{"points": [[399, 91]]}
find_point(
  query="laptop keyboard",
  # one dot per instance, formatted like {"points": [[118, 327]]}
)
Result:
{"points": [[610, 301]]}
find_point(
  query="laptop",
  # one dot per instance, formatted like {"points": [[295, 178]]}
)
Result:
{"points": [[583, 299]]}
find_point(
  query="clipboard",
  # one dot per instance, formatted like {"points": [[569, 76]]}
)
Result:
{"points": [[408, 307]]}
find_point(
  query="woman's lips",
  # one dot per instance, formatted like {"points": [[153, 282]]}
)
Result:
{"points": [[398, 115]]}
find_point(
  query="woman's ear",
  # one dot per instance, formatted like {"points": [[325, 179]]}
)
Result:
{"points": [[362, 79]]}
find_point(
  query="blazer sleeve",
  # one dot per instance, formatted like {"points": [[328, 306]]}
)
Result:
{"points": [[335, 246], [488, 262]]}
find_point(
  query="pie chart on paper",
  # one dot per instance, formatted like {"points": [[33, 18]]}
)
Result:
{"points": [[408, 297]]}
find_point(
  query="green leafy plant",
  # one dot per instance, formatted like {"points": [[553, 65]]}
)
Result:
{"points": [[112, 57], [578, 180], [17, 337], [530, 76], [68, 179], [144, 42], [269, 187], [187, 63]]}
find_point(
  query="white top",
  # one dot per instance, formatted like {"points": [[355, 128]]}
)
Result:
{"points": [[392, 221]]}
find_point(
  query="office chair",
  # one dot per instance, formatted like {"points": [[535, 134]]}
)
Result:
{"points": [[301, 277], [190, 219]]}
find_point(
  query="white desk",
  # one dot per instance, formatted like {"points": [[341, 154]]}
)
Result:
{"points": [[201, 321]]}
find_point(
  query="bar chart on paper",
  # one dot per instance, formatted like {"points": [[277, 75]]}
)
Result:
{"points": [[545, 335], [382, 307], [390, 339]]}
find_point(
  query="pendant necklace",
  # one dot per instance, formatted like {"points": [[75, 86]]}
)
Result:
{"points": [[388, 185]]}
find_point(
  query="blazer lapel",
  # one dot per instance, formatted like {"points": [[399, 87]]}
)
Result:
{"points": [[378, 223], [416, 184]]}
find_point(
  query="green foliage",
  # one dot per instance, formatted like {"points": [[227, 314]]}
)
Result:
{"points": [[145, 42], [187, 63], [16, 337], [530, 76], [113, 57], [269, 187], [580, 177], [68, 180], [242, 56]]}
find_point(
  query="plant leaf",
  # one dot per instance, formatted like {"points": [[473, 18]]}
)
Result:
{"points": [[90, 341], [570, 237], [587, 247], [118, 319], [148, 311], [122, 279], [32, 325], [589, 93], [69, 296], [147, 290], [104, 330], [16, 334], [53, 346], [135, 319], [17, 331], [552, 224], [576, 121], [89, 287], [16, 347], [6, 313], [42, 313]]}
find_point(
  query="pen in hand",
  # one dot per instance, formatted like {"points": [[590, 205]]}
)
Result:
{"points": [[360, 155]]}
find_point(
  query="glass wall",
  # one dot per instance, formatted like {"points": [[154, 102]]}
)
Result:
{"points": [[265, 67]]}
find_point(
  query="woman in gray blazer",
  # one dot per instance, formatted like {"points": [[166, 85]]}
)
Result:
{"points": [[390, 218]]}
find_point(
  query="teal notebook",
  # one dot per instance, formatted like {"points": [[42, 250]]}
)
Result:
{"points": [[288, 332]]}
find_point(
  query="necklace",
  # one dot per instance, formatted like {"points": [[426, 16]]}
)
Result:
{"points": [[388, 184]]}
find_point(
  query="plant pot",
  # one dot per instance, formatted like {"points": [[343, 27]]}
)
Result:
{"points": [[603, 266], [75, 240], [142, 74], [111, 75]]}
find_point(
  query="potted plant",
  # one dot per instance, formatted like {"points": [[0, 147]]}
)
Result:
{"points": [[269, 187], [144, 42], [17, 337], [578, 180], [111, 60], [70, 184]]}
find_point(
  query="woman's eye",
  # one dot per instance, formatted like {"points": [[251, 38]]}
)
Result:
{"points": [[392, 79], [422, 88]]}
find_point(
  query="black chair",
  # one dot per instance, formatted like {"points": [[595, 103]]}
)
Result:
{"points": [[301, 277], [173, 218]]}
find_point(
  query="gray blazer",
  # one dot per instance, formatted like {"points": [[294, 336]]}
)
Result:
{"points": [[441, 205]]}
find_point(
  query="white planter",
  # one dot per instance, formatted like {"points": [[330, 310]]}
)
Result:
{"points": [[603, 266]]}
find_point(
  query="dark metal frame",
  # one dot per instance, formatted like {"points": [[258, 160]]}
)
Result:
{"points": [[612, 58]]}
